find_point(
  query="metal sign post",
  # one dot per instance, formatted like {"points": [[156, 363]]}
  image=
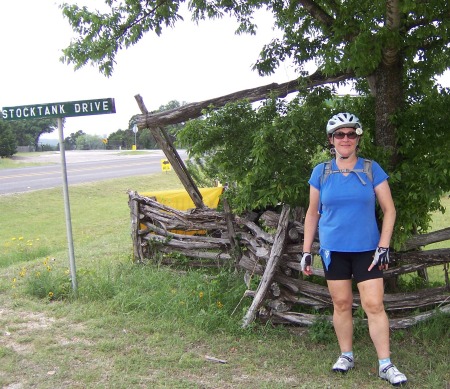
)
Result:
{"points": [[62, 149], [61, 110], [135, 130]]}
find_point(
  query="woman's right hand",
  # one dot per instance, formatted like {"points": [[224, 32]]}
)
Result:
{"points": [[306, 264]]}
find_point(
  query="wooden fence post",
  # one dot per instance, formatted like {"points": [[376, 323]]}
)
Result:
{"points": [[235, 248], [174, 158], [275, 255], [134, 213]]}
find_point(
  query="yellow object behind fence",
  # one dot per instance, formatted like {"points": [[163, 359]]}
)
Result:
{"points": [[179, 199]]}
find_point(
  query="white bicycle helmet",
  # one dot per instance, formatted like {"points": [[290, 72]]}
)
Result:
{"points": [[341, 120]]}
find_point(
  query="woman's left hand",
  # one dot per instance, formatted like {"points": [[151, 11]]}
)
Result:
{"points": [[380, 258]]}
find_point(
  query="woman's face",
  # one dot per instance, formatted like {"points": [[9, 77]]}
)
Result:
{"points": [[344, 144]]}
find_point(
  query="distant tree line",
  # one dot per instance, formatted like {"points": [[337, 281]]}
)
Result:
{"points": [[125, 139]]}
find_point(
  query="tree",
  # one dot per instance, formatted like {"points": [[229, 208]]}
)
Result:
{"points": [[70, 143], [391, 50], [27, 132], [144, 138], [89, 142], [173, 129], [122, 139], [8, 143]]}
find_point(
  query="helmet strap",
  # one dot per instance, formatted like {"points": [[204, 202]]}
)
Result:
{"points": [[341, 157], [333, 151]]}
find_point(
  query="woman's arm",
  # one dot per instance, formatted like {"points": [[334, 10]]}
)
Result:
{"points": [[311, 221], [384, 197]]}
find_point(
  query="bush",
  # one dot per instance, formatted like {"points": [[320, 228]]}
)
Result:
{"points": [[8, 143]]}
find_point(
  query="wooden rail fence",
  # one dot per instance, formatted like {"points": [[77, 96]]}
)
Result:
{"points": [[207, 237]]}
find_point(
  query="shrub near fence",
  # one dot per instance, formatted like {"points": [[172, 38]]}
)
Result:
{"points": [[161, 233]]}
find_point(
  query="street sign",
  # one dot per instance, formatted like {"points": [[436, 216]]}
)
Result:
{"points": [[60, 110], [165, 165]]}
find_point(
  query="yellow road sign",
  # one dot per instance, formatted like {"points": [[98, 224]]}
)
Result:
{"points": [[165, 165]]}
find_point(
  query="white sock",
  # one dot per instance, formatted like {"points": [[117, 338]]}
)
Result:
{"points": [[348, 354]]}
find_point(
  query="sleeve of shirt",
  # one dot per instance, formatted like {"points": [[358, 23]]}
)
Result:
{"points": [[315, 176], [379, 175]]}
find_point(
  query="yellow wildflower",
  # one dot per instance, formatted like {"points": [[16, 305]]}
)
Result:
{"points": [[219, 305], [200, 295]]}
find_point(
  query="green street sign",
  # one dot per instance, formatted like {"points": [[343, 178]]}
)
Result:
{"points": [[60, 110]]}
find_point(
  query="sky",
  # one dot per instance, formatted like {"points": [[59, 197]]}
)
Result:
{"points": [[189, 63]]}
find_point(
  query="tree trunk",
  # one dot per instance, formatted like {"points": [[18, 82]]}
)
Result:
{"points": [[388, 101], [387, 87], [386, 84]]}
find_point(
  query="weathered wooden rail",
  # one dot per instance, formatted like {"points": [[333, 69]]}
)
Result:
{"points": [[207, 237]]}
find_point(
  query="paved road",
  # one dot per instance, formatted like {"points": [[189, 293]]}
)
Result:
{"points": [[82, 166]]}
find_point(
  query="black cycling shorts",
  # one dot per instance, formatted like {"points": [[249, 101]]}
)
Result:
{"points": [[344, 266]]}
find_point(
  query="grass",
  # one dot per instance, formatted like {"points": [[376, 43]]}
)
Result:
{"points": [[151, 326], [135, 152], [23, 160], [440, 221], [435, 273]]}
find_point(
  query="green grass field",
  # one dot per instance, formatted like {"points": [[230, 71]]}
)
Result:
{"points": [[22, 160], [135, 326]]}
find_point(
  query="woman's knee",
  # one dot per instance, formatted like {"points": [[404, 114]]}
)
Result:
{"points": [[342, 304], [372, 294], [373, 306], [342, 295]]}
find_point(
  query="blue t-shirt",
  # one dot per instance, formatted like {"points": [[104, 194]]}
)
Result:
{"points": [[348, 222]]}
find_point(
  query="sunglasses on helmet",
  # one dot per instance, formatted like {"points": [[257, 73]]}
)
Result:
{"points": [[342, 135]]}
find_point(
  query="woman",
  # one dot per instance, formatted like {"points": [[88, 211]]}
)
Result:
{"points": [[351, 245]]}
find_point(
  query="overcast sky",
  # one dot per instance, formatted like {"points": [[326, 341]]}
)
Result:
{"points": [[189, 63]]}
